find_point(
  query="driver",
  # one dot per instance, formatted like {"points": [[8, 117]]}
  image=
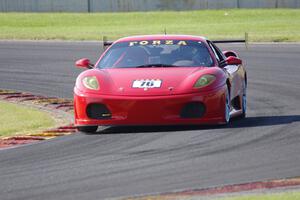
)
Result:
{"points": [[193, 56], [202, 57], [134, 56]]}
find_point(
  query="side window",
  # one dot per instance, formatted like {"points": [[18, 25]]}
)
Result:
{"points": [[216, 51], [213, 49], [219, 52]]}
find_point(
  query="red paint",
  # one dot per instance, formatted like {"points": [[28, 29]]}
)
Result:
{"points": [[10, 93], [13, 141], [231, 60], [19, 96], [160, 110], [84, 62]]}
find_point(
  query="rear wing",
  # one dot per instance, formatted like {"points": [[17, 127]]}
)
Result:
{"points": [[107, 43], [246, 41]]}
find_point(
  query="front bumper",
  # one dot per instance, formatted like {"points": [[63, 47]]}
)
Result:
{"points": [[152, 110]]}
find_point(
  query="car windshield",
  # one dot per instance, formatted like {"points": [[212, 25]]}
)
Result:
{"points": [[157, 53]]}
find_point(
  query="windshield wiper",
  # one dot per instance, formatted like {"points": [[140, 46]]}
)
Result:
{"points": [[155, 65]]}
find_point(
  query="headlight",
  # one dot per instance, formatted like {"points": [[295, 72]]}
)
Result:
{"points": [[90, 82], [204, 80]]}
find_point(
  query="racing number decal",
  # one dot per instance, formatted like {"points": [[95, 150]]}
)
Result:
{"points": [[148, 83]]}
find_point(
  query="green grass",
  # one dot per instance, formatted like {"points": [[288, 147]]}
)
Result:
{"points": [[261, 24], [275, 196], [16, 119]]}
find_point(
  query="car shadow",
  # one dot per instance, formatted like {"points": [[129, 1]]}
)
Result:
{"points": [[234, 123]]}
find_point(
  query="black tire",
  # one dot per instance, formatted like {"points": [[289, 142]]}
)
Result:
{"points": [[87, 129], [227, 108], [244, 103]]}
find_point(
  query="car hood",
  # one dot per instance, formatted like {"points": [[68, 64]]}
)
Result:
{"points": [[129, 81]]}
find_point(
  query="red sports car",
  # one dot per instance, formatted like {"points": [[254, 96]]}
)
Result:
{"points": [[160, 80]]}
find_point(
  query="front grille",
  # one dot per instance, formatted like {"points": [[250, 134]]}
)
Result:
{"points": [[192, 110], [98, 111]]}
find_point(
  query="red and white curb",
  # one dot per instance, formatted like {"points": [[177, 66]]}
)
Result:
{"points": [[229, 189], [64, 106]]}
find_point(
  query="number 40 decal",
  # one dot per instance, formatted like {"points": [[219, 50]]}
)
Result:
{"points": [[148, 83]]}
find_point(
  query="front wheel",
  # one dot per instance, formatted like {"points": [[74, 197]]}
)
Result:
{"points": [[87, 129]]}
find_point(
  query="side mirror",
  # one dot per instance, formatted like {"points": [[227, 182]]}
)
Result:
{"points": [[84, 63], [231, 60]]}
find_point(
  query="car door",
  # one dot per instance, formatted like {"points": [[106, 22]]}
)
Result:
{"points": [[232, 70]]}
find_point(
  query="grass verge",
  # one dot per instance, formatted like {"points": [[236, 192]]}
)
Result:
{"points": [[274, 196], [16, 119], [269, 25]]}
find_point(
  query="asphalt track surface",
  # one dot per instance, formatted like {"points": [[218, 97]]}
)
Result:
{"points": [[126, 161]]}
